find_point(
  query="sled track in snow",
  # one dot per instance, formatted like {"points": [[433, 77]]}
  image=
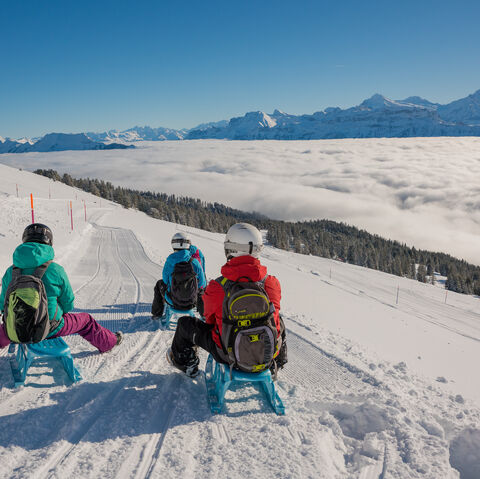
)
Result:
{"points": [[311, 365], [151, 451], [127, 251], [95, 274]]}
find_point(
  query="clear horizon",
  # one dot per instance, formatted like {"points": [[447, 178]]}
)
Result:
{"points": [[97, 66]]}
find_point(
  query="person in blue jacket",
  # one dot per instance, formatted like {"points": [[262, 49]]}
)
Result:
{"points": [[184, 252], [37, 249]]}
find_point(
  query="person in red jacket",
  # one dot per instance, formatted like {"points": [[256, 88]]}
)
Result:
{"points": [[243, 243]]}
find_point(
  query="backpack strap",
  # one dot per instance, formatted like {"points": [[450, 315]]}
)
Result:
{"points": [[40, 270], [222, 281], [16, 272]]}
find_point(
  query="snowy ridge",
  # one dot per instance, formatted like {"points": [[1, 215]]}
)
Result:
{"points": [[360, 402], [139, 133], [375, 117], [56, 142]]}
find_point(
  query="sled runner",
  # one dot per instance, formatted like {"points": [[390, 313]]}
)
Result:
{"points": [[218, 379], [49, 348], [170, 312]]}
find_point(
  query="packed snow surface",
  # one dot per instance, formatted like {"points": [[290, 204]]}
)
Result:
{"points": [[420, 191], [373, 389]]}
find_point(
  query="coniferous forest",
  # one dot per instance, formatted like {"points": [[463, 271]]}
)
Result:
{"points": [[324, 238]]}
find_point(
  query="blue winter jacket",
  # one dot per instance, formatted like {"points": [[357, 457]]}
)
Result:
{"points": [[178, 257], [27, 257]]}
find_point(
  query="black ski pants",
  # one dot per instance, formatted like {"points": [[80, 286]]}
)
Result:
{"points": [[194, 332], [158, 304]]}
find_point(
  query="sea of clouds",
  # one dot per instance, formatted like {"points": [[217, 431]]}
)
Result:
{"points": [[421, 191]]}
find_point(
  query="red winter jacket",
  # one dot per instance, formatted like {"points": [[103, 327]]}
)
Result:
{"points": [[234, 270]]}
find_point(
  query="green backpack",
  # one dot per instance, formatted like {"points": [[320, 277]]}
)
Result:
{"points": [[249, 334], [26, 307]]}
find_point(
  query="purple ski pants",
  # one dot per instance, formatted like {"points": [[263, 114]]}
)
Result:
{"points": [[82, 324]]}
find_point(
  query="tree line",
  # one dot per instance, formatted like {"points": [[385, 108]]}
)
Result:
{"points": [[326, 238]]}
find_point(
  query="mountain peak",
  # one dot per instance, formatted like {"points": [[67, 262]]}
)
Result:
{"points": [[376, 101]]}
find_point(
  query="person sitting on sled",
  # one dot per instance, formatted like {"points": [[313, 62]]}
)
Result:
{"points": [[260, 335], [25, 300], [183, 278]]}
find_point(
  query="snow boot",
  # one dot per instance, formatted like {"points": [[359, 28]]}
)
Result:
{"points": [[187, 362]]}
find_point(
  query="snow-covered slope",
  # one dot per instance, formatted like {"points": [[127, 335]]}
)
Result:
{"points": [[56, 142], [373, 389], [466, 110]]}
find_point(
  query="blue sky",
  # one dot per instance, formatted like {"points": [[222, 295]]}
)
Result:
{"points": [[74, 66]]}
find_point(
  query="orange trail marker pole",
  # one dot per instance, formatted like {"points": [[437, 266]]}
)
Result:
{"points": [[71, 215], [85, 209], [31, 207]]}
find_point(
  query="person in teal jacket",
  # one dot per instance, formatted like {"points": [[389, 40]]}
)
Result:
{"points": [[36, 250]]}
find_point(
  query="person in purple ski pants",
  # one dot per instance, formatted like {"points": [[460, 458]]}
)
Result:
{"points": [[37, 250]]}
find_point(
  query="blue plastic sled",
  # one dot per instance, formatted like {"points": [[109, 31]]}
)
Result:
{"points": [[170, 312], [218, 379], [49, 348]]}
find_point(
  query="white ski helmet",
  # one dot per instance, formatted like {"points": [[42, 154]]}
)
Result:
{"points": [[180, 241], [243, 239]]}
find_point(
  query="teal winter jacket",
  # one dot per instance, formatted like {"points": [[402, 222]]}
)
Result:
{"points": [[27, 257]]}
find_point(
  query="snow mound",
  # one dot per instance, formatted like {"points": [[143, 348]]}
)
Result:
{"points": [[465, 454], [358, 421]]}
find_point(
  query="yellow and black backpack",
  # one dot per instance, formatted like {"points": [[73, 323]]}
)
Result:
{"points": [[249, 334]]}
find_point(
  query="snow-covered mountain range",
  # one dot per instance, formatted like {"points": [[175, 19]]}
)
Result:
{"points": [[376, 117], [146, 133], [56, 142], [139, 133]]}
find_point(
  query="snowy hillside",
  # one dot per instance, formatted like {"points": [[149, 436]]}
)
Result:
{"points": [[56, 142], [373, 389], [391, 187]]}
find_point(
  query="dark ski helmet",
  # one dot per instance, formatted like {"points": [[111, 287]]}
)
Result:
{"points": [[38, 233]]}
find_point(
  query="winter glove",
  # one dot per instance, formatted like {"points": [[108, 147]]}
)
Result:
{"points": [[282, 359], [162, 287], [200, 305]]}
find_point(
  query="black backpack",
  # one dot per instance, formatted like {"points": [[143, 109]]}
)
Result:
{"points": [[184, 286], [249, 333], [26, 307]]}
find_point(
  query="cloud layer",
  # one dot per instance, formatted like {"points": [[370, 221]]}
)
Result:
{"points": [[421, 191]]}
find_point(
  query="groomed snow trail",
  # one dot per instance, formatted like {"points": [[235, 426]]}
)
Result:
{"points": [[134, 416]]}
